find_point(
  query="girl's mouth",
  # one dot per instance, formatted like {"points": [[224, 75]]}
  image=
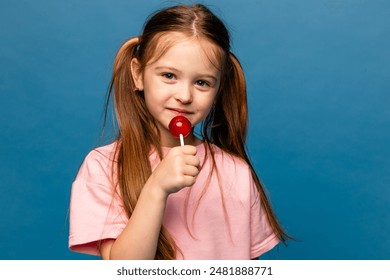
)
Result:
{"points": [[179, 111]]}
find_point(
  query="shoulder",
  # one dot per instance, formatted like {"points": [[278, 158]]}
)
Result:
{"points": [[103, 153], [231, 170], [98, 163], [226, 160]]}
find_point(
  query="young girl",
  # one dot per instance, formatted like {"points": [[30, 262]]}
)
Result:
{"points": [[146, 197]]}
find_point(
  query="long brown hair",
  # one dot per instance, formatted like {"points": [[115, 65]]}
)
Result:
{"points": [[225, 126]]}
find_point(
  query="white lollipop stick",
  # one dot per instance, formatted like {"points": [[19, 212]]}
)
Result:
{"points": [[181, 140]]}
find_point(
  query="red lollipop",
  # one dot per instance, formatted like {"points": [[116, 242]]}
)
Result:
{"points": [[180, 127]]}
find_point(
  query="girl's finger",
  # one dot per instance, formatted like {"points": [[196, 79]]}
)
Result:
{"points": [[192, 160], [191, 171]]}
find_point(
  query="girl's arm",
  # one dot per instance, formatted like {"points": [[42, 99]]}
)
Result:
{"points": [[140, 237]]}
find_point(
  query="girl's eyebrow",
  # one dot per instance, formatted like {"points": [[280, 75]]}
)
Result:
{"points": [[173, 69]]}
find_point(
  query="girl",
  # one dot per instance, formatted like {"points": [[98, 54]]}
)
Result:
{"points": [[145, 197]]}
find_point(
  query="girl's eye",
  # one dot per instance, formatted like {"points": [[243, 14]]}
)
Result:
{"points": [[168, 76], [201, 83]]}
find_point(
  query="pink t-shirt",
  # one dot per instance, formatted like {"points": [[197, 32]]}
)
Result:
{"points": [[204, 231]]}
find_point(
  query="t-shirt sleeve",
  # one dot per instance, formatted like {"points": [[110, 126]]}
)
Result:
{"points": [[263, 238], [96, 211]]}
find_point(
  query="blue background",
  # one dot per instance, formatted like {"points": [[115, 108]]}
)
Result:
{"points": [[318, 77]]}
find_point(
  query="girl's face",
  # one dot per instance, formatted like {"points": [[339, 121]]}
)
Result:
{"points": [[183, 81]]}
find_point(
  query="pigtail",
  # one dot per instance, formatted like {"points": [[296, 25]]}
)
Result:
{"points": [[230, 117], [127, 108]]}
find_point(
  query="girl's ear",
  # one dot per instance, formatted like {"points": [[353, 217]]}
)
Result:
{"points": [[137, 75]]}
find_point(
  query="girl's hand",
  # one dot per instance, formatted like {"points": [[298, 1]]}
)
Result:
{"points": [[178, 169]]}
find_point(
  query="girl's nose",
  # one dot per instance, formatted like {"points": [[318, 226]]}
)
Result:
{"points": [[184, 95]]}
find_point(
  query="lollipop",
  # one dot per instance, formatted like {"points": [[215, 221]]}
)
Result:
{"points": [[180, 127]]}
